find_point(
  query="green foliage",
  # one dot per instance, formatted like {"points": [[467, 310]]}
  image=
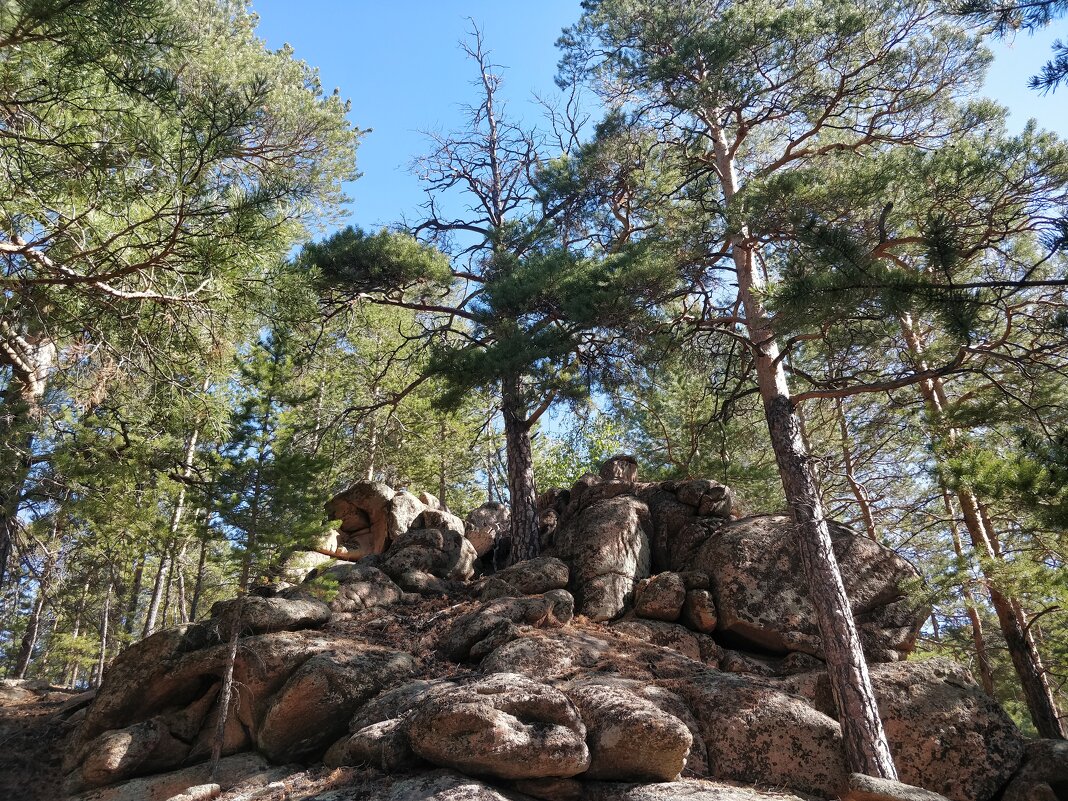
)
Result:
{"points": [[269, 486], [352, 262]]}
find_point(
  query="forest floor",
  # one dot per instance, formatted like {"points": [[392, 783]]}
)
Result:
{"points": [[31, 750]]}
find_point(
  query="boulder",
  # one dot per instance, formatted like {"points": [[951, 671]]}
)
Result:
{"points": [[438, 518], [569, 653], [733, 661], [620, 468], [1044, 775], [404, 509], [494, 623], [860, 787], [532, 577], [756, 733], [439, 552], [116, 755], [443, 785], [629, 737], [699, 647], [709, 498], [660, 597], [266, 615], [608, 551], [421, 582], [360, 587], [678, 534], [574, 495], [431, 501], [232, 771], [945, 733], [690, 790], [762, 599], [485, 523], [383, 745], [504, 726], [315, 705], [16, 691], [699, 611], [132, 683], [364, 507]]}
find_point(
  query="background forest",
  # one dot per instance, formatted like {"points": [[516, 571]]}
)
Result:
{"points": [[195, 354]]}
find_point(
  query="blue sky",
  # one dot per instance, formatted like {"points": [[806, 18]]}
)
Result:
{"points": [[400, 65]]}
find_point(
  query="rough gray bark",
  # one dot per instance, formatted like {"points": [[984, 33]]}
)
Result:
{"points": [[866, 746], [525, 541]]}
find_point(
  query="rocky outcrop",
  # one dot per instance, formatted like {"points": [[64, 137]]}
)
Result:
{"points": [[359, 587], [607, 548], [495, 623], [663, 650], [1044, 775], [485, 524], [504, 726], [630, 738], [660, 597], [314, 706], [761, 599], [533, 577], [438, 552]]}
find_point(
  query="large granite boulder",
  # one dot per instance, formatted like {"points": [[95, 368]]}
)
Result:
{"points": [[629, 737], [1044, 775], [945, 733], [438, 552], [660, 597], [315, 705], [570, 653], [486, 523], [404, 509], [494, 623], [265, 615], [532, 577], [687, 790], [363, 513], [762, 600], [504, 726], [359, 587], [757, 733], [607, 549]]}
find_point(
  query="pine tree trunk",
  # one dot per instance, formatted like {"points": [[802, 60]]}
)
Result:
{"points": [[72, 667], [98, 677], [226, 688], [33, 625], [16, 445], [130, 618], [1018, 640], [157, 595], [175, 524], [982, 656], [866, 748], [198, 586], [863, 502], [525, 540], [442, 468], [1021, 646]]}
